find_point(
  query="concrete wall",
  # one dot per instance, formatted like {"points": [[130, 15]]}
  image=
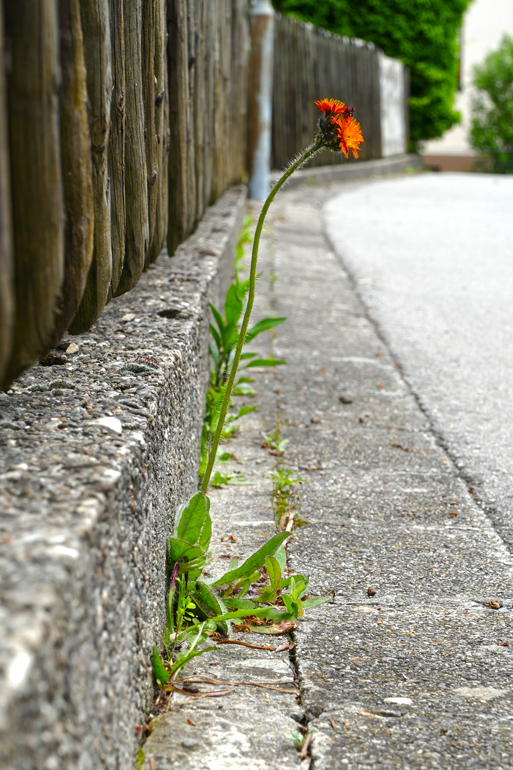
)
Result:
{"points": [[97, 452]]}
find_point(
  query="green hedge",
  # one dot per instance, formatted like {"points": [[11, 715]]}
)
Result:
{"points": [[422, 33], [492, 110]]}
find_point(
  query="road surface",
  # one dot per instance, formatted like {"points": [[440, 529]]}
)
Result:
{"points": [[432, 257]]}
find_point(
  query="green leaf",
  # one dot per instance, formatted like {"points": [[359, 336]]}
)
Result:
{"points": [[192, 558], [217, 316], [230, 336], [160, 671], [314, 601], [274, 572], [293, 608], [262, 326], [210, 604], [232, 305], [243, 613], [266, 595], [214, 352], [264, 362], [237, 603], [247, 355], [190, 656], [244, 410], [255, 561], [287, 581], [281, 557], [215, 335], [242, 288], [243, 390], [194, 522]]}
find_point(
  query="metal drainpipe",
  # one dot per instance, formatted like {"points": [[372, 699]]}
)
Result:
{"points": [[260, 99]]}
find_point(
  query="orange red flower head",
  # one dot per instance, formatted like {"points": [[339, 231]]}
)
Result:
{"points": [[331, 106], [338, 130]]}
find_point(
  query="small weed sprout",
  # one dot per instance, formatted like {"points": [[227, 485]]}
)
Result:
{"points": [[296, 738], [284, 497], [274, 442]]}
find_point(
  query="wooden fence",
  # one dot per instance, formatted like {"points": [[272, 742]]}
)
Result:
{"points": [[120, 122], [311, 64], [98, 165]]}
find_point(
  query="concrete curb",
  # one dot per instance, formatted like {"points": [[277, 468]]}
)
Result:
{"points": [[89, 482], [351, 172]]}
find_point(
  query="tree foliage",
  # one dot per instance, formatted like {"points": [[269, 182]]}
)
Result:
{"points": [[422, 33], [492, 109]]}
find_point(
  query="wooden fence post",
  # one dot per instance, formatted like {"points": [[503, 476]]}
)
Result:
{"points": [[161, 128], [97, 54], [32, 38], [136, 189], [178, 111], [75, 141], [6, 251], [117, 141]]}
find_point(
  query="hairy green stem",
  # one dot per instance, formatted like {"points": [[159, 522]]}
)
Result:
{"points": [[305, 155]]}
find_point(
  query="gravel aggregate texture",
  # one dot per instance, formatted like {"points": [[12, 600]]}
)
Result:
{"points": [[410, 665], [99, 445]]}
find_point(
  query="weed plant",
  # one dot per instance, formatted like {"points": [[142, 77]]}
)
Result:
{"points": [[268, 601], [222, 350], [284, 498]]}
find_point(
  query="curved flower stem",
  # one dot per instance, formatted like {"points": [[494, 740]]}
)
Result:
{"points": [[305, 155]]}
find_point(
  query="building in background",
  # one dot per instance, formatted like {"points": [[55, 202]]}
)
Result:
{"points": [[484, 24]]}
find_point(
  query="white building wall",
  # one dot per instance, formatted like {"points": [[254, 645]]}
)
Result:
{"points": [[484, 24], [393, 128]]}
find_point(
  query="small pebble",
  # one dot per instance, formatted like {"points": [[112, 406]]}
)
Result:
{"points": [[345, 399], [189, 743]]}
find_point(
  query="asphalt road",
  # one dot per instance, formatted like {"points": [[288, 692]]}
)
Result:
{"points": [[432, 257]]}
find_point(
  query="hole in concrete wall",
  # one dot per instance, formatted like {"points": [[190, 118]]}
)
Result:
{"points": [[169, 313]]}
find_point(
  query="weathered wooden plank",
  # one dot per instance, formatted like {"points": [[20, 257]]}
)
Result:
{"points": [[32, 42], [6, 249], [209, 46], [161, 107], [149, 11], [178, 87], [97, 54], [76, 166], [136, 190], [192, 219], [199, 125], [117, 140]]}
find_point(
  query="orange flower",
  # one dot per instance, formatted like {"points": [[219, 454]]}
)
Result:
{"points": [[333, 106], [349, 134]]}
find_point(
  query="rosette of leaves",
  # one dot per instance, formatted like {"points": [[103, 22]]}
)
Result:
{"points": [[197, 606]]}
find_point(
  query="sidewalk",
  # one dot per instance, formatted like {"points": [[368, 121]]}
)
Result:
{"points": [[414, 676]]}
